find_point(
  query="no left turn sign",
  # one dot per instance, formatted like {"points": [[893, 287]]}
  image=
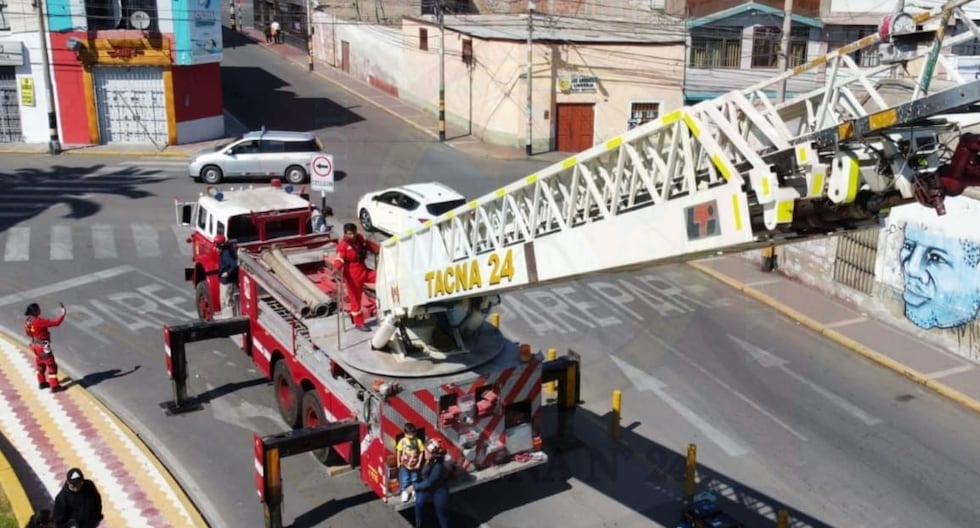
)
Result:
{"points": [[321, 177]]}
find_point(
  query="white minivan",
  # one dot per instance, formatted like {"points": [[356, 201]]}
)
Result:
{"points": [[261, 154]]}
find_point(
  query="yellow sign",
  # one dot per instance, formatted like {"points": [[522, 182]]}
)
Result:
{"points": [[27, 91], [469, 275]]}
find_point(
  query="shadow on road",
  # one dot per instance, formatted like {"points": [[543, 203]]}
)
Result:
{"points": [[258, 99], [643, 476], [319, 515], [29, 192], [94, 378], [228, 388]]}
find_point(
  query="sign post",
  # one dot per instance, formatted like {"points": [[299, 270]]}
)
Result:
{"points": [[321, 176]]}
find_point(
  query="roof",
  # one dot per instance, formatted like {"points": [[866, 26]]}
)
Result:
{"points": [[282, 135], [660, 30], [258, 200], [746, 8], [431, 191]]}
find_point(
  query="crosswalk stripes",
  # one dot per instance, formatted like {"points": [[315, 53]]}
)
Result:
{"points": [[60, 242], [63, 242]]}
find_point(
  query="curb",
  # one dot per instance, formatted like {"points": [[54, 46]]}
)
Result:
{"points": [[182, 496], [121, 153], [876, 357], [15, 493]]}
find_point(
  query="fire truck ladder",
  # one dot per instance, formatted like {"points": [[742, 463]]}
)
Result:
{"points": [[729, 174]]}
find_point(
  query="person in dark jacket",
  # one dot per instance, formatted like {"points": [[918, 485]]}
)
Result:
{"points": [[41, 519], [433, 484], [78, 503], [227, 274]]}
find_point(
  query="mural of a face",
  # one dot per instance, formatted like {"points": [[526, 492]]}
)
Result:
{"points": [[942, 280]]}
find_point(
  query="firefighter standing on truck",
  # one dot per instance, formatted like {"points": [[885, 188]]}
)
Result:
{"points": [[352, 250], [36, 328]]}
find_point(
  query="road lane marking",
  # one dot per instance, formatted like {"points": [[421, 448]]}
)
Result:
{"points": [[769, 360], [31, 295], [147, 241], [181, 233], [18, 247], [643, 381], [61, 246], [103, 242]]}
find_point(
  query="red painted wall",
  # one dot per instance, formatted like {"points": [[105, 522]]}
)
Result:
{"points": [[197, 91], [70, 90]]}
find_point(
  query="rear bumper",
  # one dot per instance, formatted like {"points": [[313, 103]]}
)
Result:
{"points": [[475, 478]]}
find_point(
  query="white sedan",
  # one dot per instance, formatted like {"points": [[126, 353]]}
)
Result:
{"points": [[398, 209]]}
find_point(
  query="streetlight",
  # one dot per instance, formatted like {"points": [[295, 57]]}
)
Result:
{"points": [[309, 32], [530, 73], [442, 74], [54, 143]]}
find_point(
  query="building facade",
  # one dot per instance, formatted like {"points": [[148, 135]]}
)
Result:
{"points": [[137, 71], [23, 105]]}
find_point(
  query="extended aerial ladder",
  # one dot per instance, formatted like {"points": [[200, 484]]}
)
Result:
{"points": [[730, 174]]}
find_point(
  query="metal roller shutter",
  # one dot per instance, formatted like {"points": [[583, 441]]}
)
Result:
{"points": [[132, 104]]}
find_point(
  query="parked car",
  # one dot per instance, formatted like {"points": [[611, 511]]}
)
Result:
{"points": [[260, 154], [397, 209]]}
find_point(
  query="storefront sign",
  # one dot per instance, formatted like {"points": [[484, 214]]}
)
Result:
{"points": [[197, 31], [27, 91], [11, 54]]}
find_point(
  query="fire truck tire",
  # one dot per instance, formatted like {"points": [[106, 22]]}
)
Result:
{"points": [[289, 397], [202, 299], [212, 174], [313, 416], [295, 174]]}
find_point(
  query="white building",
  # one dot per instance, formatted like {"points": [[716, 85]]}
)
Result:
{"points": [[23, 104]]}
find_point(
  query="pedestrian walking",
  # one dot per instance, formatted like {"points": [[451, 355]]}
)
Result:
{"points": [[227, 275], [37, 329], [433, 485], [409, 453], [268, 34], [276, 32], [352, 251], [78, 502]]}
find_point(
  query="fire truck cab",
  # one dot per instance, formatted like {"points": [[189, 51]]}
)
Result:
{"points": [[246, 217]]}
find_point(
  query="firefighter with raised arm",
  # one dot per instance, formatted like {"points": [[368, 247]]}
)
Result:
{"points": [[36, 328], [352, 251]]}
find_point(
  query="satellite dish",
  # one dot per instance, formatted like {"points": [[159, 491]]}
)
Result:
{"points": [[140, 20]]}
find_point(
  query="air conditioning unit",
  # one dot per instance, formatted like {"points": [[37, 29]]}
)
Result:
{"points": [[142, 15]]}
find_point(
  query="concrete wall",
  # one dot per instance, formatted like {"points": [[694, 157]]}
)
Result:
{"points": [[375, 51], [926, 278]]}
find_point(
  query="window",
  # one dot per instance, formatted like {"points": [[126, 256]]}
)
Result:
{"points": [[423, 39], [468, 51], [437, 209], [273, 146], [4, 25], [390, 198], [798, 39], [221, 228], [246, 147], [839, 36], [202, 219], [242, 229], [100, 14], [717, 48], [643, 113], [302, 146], [407, 203], [765, 46]]}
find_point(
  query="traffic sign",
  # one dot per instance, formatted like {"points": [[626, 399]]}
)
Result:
{"points": [[321, 174]]}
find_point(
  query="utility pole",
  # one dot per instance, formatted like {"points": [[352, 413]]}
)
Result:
{"points": [[783, 57], [530, 73], [309, 33], [54, 143], [442, 73]]}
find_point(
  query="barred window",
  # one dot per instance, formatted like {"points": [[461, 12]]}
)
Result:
{"points": [[716, 48]]}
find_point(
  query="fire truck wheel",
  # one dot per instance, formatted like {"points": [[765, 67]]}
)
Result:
{"points": [[288, 395], [212, 174], [313, 417], [202, 298], [295, 174]]}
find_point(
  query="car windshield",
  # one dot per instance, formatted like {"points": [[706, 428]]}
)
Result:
{"points": [[224, 144], [439, 208]]}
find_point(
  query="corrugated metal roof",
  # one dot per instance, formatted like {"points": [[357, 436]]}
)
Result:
{"points": [[257, 200], [660, 30]]}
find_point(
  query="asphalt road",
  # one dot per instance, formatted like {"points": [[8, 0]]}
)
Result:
{"points": [[781, 418]]}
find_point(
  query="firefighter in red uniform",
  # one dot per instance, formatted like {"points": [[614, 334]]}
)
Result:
{"points": [[351, 252], [36, 328]]}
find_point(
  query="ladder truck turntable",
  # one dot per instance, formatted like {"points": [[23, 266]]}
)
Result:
{"points": [[730, 174]]}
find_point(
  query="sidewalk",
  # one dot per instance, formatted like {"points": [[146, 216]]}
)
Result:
{"points": [[43, 434], [424, 121], [943, 372]]}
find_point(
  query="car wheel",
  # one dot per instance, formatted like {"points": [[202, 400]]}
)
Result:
{"points": [[202, 298], [212, 174], [295, 174], [365, 217]]}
